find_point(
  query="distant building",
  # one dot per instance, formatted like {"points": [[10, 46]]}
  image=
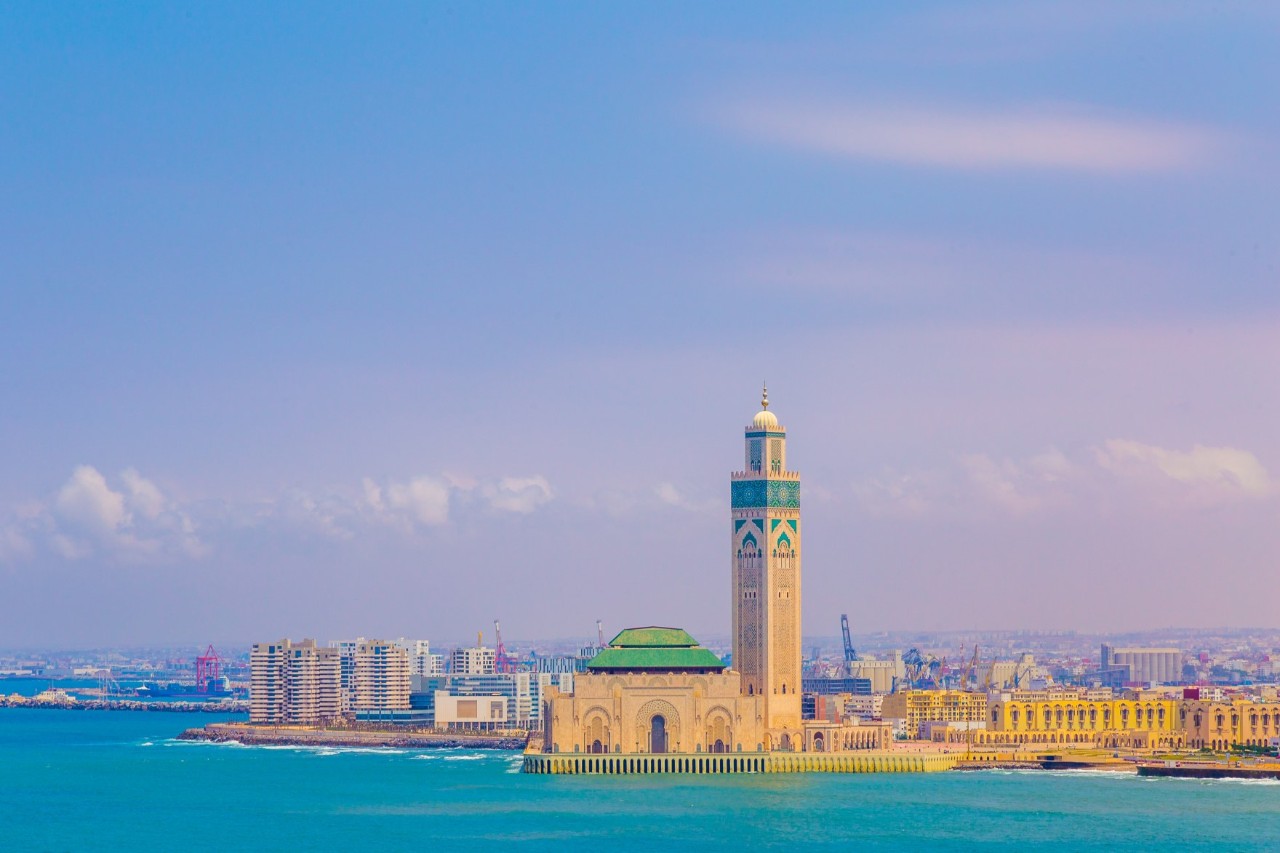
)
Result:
{"points": [[477, 660], [918, 707], [421, 660], [294, 683], [1145, 666], [521, 692], [381, 677], [883, 674], [1012, 674], [470, 712], [864, 707], [835, 686]]}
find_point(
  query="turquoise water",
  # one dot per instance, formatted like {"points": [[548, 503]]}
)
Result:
{"points": [[116, 780]]}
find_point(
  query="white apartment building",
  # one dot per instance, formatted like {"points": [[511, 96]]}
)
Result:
{"points": [[381, 680], [477, 660], [864, 707], [347, 653], [294, 683], [421, 661]]}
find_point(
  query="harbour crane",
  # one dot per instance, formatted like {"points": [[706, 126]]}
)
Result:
{"points": [[502, 662], [849, 654], [208, 671]]}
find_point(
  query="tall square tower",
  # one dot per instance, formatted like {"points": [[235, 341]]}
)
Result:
{"points": [[765, 554]]}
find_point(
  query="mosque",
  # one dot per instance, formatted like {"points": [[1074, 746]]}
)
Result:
{"points": [[656, 701]]}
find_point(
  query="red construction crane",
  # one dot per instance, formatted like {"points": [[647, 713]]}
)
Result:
{"points": [[208, 671], [502, 662]]}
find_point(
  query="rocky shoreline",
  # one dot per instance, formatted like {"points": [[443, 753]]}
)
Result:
{"points": [[251, 735]]}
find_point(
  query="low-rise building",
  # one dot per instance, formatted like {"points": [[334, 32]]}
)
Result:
{"points": [[1224, 724], [1082, 718]]}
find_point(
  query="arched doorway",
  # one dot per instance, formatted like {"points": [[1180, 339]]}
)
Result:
{"points": [[785, 744], [719, 746], [596, 746], [658, 734], [817, 742]]}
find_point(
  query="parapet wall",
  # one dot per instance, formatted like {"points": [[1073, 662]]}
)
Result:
{"points": [[740, 762]]}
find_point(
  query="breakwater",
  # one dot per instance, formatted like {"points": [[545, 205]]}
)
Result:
{"points": [[255, 735], [71, 704]]}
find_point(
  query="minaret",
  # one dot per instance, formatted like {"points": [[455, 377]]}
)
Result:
{"points": [[765, 501]]}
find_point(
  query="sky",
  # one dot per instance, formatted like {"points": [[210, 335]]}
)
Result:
{"points": [[393, 319]]}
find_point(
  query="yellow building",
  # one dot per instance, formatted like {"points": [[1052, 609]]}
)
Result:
{"points": [[1221, 725], [919, 707], [1073, 717]]}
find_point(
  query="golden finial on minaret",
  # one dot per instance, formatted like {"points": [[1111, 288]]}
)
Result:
{"points": [[764, 397]]}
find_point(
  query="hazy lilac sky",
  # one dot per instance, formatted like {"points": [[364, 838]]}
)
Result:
{"points": [[322, 320]]}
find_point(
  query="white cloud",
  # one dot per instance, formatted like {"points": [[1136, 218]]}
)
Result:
{"points": [[88, 516], [1226, 470], [1119, 472], [1069, 139], [88, 502], [425, 499], [519, 494], [373, 495], [143, 494]]}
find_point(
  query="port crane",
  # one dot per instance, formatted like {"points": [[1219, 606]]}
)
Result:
{"points": [[502, 662], [849, 654], [208, 670]]}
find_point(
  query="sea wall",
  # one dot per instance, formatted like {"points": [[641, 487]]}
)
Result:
{"points": [[741, 762]]}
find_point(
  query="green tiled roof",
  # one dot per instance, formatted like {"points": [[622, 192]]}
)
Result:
{"points": [[653, 637], [653, 648]]}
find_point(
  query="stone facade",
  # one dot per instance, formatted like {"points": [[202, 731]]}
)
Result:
{"points": [[1221, 725], [615, 713], [655, 692], [765, 560]]}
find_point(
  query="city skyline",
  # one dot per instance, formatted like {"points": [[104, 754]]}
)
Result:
{"points": [[391, 323]]}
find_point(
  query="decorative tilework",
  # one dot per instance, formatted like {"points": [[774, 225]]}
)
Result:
{"points": [[784, 494]]}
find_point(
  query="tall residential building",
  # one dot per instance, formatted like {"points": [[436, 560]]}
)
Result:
{"points": [[347, 655], [381, 677], [477, 660], [421, 661], [294, 683], [765, 554]]}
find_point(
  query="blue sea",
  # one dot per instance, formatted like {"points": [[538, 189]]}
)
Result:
{"points": [[117, 780]]}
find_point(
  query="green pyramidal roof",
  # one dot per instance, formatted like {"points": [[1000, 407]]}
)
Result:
{"points": [[653, 637], [655, 649]]}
